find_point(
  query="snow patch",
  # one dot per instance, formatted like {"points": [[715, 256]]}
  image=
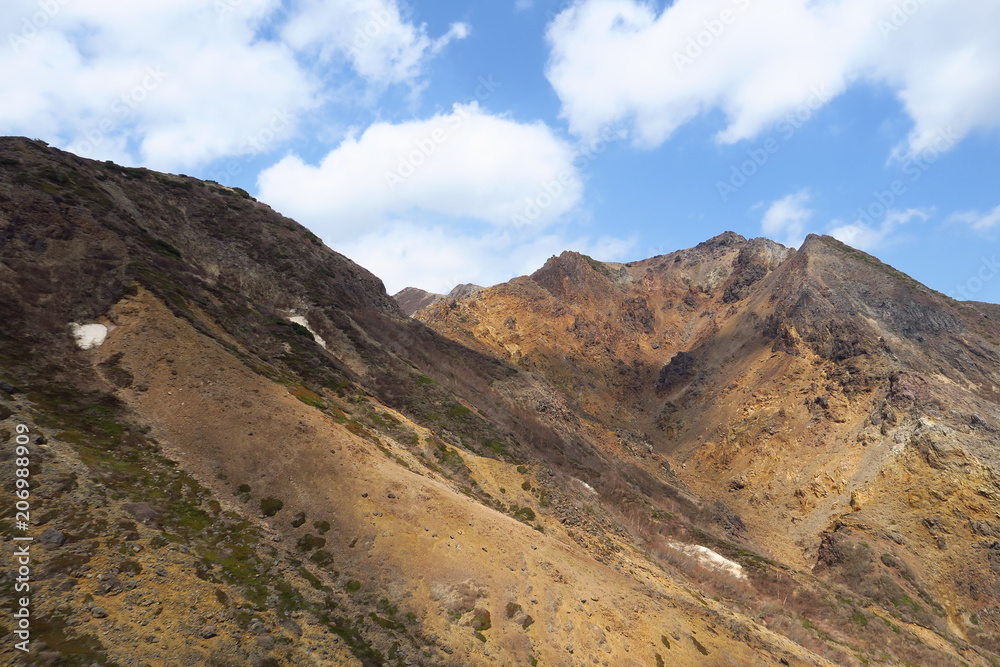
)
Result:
{"points": [[299, 319], [586, 487], [89, 335], [709, 558]]}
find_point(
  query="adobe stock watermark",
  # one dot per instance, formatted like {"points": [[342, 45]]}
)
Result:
{"points": [[901, 14], [989, 268], [549, 192], [258, 143], [121, 110], [31, 26], [914, 167], [224, 8], [22, 542], [759, 155], [713, 29], [423, 149], [366, 34]]}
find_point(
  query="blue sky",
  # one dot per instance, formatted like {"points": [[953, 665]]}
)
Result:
{"points": [[444, 142]]}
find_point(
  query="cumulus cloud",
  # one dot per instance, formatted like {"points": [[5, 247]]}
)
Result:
{"points": [[867, 237], [438, 257], [978, 220], [170, 84], [624, 60], [178, 84], [372, 34], [463, 196], [466, 164], [785, 219]]}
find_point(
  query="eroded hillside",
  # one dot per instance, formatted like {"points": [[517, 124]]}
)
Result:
{"points": [[265, 462], [844, 415]]}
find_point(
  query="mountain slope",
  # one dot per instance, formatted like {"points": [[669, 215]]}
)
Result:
{"points": [[844, 413], [266, 462]]}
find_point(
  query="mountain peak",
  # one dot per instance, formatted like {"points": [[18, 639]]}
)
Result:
{"points": [[723, 240], [412, 299]]}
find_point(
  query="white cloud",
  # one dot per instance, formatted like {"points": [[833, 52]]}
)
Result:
{"points": [[455, 31], [437, 257], [756, 61], [168, 84], [466, 164], [977, 220], [177, 84], [866, 237], [372, 34], [785, 219], [463, 196]]}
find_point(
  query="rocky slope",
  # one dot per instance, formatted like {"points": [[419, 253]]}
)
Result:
{"points": [[845, 415], [412, 299], [265, 462]]}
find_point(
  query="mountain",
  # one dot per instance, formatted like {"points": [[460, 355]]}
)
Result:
{"points": [[846, 414], [243, 452], [412, 299]]}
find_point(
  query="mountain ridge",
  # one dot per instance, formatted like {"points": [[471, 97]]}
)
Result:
{"points": [[266, 462], [734, 406]]}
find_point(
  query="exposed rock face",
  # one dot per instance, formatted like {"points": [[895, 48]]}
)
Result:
{"points": [[412, 299], [602, 332], [213, 484], [833, 402]]}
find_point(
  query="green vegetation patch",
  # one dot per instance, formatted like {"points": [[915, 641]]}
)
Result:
{"points": [[308, 396], [165, 248], [308, 542], [270, 506], [458, 411], [322, 558], [598, 266]]}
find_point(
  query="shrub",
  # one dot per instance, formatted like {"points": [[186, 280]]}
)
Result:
{"points": [[302, 330], [322, 558], [481, 620], [166, 249], [458, 411], [308, 542], [270, 506], [525, 514]]}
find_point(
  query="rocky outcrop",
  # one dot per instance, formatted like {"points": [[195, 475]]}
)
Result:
{"points": [[412, 299]]}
